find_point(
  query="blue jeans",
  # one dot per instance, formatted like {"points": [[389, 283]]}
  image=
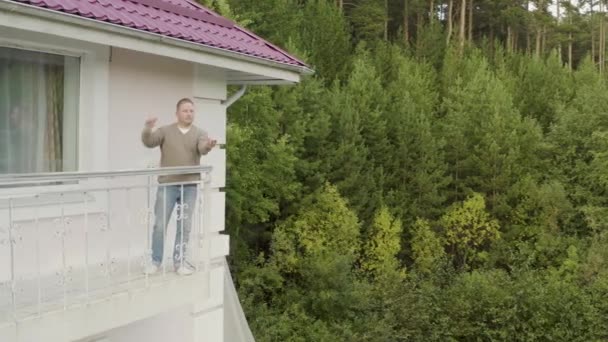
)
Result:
{"points": [[167, 198]]}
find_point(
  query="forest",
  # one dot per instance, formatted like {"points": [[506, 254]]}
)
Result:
{"points": [[441, 177]]}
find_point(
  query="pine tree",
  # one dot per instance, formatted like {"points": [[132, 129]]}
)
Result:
{"points": [[276, 20], [416, 177], [358, 141], [493, 155], [324, 35], [578, 142], [370, 20], [305, 119], [489, 146], [261, 167], [542, 87]]}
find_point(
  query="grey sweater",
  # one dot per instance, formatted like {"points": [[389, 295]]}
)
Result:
{"points": [[177, 149]]}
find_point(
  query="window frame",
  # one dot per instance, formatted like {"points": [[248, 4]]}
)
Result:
{"points": [[78, 102], [91, 57]]}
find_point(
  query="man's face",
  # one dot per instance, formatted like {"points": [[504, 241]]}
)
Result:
{"points": [[185, 114]]}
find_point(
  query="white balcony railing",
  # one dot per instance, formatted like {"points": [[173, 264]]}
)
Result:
{"points": [[71, 239]]}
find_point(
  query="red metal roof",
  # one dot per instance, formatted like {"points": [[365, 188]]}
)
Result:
{"points": [[181, 19]]}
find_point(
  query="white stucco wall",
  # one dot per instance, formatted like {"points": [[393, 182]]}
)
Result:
{"points": [[142, 86]]}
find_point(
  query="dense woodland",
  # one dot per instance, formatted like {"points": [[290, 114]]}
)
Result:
{"points": [[442, 177]]}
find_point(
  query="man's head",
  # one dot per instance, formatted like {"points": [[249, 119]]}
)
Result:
{"points": [[185, 112]]}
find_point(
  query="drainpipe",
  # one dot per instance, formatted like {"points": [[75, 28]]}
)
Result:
{"points": [[229, 102], [232, 99], [235, 97]]}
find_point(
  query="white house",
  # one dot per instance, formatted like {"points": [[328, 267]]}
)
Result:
{"points": [[78, 78]]}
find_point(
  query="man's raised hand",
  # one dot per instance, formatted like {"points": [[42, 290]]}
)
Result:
{"points": [[151, 122], [209, 143]]}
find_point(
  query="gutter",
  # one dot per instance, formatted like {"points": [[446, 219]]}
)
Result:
{"points": [[11, 6]]}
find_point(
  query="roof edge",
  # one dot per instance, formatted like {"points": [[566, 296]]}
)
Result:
{"points": [[250, 33], [13, 6]]}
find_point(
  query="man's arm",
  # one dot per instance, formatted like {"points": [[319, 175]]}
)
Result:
{"points": [[205, 144], [149, 137]]}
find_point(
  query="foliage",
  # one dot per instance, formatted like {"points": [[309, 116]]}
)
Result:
{"points": [[477, 166]]}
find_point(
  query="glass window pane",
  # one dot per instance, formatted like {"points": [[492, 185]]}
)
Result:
{"points": [[38, 111]]}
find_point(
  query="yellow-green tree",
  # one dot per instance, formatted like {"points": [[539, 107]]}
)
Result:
{"points": [[323, 225], [469, 229], [427, 247], [379, 259]]}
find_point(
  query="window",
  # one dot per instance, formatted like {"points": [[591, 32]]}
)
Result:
{"points": [[39, 97]]}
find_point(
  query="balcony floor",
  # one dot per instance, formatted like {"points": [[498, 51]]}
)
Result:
{"points": [[35, 297]]}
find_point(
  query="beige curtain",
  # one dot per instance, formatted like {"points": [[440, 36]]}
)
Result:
{"points": [[54, 107], [28, 102], [31, 111]]}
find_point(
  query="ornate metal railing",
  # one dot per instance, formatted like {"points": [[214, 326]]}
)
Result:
{"points": [[70, 239]]}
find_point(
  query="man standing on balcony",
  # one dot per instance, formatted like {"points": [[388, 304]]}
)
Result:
{"points": [[181, 144]]}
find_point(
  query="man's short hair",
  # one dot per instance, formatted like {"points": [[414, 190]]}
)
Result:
{"points": [[182, 101]]}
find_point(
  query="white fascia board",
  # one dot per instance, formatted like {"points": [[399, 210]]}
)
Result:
{"points": [[30, 18]]}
